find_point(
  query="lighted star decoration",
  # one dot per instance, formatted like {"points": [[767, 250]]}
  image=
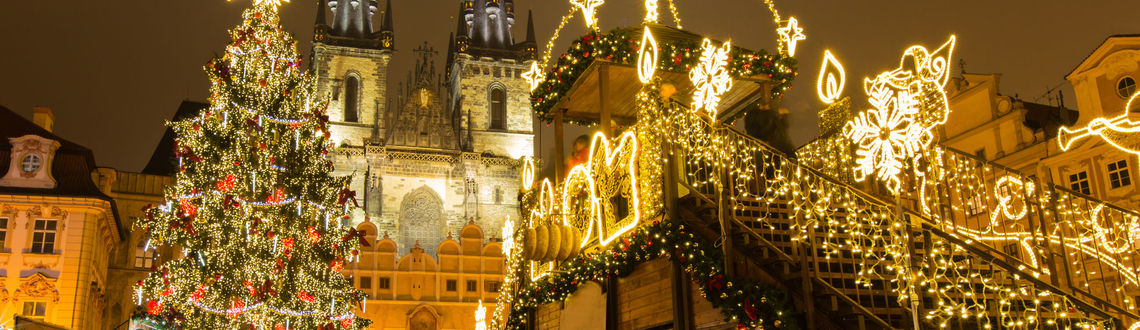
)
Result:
{"points": [[710, 77], [589, 8], [272, 4], [791, 34], [533, 76]]}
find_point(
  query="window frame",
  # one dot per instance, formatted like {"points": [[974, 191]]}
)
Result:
{"points": [[351, 106], [35, 304], [44, 242], [1131, 87], [38, 162], [472, 285], [1077, 179], [149, 257], [452, 285], [1119, 177], [492, 286], [497, 109], [5, 221], [383, 283], [365, 283]]}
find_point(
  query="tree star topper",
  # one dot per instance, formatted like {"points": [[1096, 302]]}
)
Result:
{"points": [[272, 4], [533, 75], [791, 34], [908, 103], [710, 77], [589, 8]]}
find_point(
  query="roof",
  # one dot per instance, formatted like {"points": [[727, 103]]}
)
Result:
{"points": [[71, 168], [1089, 59], [162, 160], [1047, 117]]}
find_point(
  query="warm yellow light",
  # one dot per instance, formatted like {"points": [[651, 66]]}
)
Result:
{"points": [[480, 316], [589, 9], [533, 76], [907, 103], [791, 34], [508, 236], [647, 58], [1119, 131], [527, 175], [831, 79], [710, 77], [272, 4], [651, 11]]}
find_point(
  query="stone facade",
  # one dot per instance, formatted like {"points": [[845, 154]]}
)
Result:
{"points": [[473, 80], [336, 67]]}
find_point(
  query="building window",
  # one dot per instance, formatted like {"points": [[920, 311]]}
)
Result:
{"points": [[1079, 182], [35, 309], [451, 286], [976, 205], [365, 282], [43, 236], [492, 286], [1118, 174], [3, 232], [1013, 250], [144, 255], [1125, 87], [498, 108], [472, 285], [31, 163], [384, 284], [498, 195], [351, 99]]}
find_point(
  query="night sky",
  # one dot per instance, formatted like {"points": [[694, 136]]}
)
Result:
{"points": [[114, 71]]}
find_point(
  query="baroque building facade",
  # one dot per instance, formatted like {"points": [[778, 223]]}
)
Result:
{"points": [[58, 228], [441, 151]]}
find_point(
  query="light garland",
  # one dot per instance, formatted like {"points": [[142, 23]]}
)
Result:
{"points": [[710, 77], [791, 34], [832, 79]]}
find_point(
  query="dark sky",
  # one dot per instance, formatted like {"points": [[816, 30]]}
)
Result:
{"points": [[114, 71]]}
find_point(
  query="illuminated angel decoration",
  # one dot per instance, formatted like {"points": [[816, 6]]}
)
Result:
{"points": [[1121, 132], [710, 77], [908, 103]]}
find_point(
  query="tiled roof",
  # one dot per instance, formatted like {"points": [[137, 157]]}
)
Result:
{"points": [[162, 161], [71, 167]]}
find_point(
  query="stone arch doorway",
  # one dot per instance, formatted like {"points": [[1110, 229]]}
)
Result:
{"points": [[423, 317], [421, 219]]}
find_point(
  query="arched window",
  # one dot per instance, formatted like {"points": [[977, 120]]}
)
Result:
{"points": [[351, 99], [498, 108]]}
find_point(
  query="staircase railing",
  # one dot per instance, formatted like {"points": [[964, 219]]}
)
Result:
{"points": [[937, 255]]}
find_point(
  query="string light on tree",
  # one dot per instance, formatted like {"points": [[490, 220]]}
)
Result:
{"points": [[791, 34], [710, 78]]}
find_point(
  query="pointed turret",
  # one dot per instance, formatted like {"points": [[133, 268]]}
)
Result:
{"points": [[462, 38], [321, 20], [388, 28], [530, 26]]}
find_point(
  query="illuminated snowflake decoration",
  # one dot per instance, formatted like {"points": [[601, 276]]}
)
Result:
{"points": [[710, 77]]}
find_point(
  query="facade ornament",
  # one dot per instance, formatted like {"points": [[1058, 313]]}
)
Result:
{"points": [[38, 286]]}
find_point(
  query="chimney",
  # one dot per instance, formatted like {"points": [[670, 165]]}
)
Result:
{"points": [[43, 117]]}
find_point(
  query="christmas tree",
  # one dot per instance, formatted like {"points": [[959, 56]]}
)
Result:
{"points": [[253, 206]]}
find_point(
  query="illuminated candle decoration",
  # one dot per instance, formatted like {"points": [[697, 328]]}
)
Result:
{"points": [[533, 76], [710, 78], [589, 9], [832, 79], [907, 103], [791, 34], [647, 58], [1120, 131]]}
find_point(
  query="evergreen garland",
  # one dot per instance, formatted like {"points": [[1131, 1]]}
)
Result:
{"points": [[747, 304], [621, 46]]}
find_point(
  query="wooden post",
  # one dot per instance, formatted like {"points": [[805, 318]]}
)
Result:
{"points": [[682, 319], [613, 320], [559, 143], [606, 116]]}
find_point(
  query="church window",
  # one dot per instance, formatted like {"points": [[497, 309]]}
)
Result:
{"points": [[3, 231], [498, 107], [422, 220], [1079, 182], [352, 99], [451, 286], [43, 236], [1118, 174], [1125, 87], [144, 255]]}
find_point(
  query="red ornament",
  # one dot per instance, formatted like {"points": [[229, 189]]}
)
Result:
{"points": [[262, 83], [288, 247], [199, 293], [314, 236], [239, 305], [346, 322], [153, 307], [228, 183], [337, 265], [188, 209], [277, 197], [306, 297]]}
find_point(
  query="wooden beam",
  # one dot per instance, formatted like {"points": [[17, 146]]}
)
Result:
{"points": [[559, 142], [604, 109]]}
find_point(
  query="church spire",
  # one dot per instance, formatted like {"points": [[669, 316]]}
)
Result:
{"points": [[352, 18], [387, 28], [321, 20], [530, 26]]}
